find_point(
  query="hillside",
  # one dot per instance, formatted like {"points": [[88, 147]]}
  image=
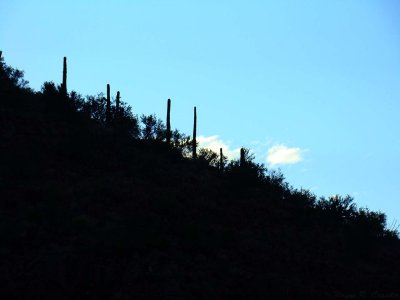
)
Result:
{"points": [[95, 204]]}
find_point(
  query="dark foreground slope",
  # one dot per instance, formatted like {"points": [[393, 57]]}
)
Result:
{"points": [[87, 212]]}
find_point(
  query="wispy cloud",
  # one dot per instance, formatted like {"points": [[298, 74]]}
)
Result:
{"points": [[215, 143], [278, 154], [283, 155]]}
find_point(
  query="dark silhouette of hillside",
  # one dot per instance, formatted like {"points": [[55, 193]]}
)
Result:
{"points": [[98, 203]]}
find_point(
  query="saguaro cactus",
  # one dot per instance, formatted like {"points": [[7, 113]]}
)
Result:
{"points": [[242, 159], [117, 102], [221, 160], [194, 155], [169, 121], [108, 105], [64, 82]]}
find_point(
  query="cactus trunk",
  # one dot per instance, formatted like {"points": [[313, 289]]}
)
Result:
{"points": [[64, 82], [169, 121], [117, 102], [194, 155], [108, 106], [242, 159], [221, 160]]}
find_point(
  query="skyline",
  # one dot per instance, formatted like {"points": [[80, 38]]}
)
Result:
{"points": [[285, 80]]}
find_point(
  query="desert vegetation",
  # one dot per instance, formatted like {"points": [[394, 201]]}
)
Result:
{"points": [[99, 202]]}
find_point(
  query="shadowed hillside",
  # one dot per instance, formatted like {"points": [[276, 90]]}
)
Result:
{"points": [[99, 203]]}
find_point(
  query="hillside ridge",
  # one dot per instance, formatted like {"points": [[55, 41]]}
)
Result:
{"points": [[97, 202]]}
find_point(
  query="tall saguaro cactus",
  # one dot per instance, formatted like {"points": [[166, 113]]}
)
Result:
{"points": [[221, 160], [194, 155], [117, 103], [169, 121], [108, 105], [242, 159], [64, 82]]}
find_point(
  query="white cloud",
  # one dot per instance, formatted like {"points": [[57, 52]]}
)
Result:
{"points": [[283, 155], [214, 143]]}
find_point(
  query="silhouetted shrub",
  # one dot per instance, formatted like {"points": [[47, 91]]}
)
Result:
{"points": [[11, 78], [208, 157], [337, 207], [246, 172], [181, 143], [152, 128]]}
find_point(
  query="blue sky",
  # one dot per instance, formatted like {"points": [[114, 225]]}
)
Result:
{"points": [[312, 87]]}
